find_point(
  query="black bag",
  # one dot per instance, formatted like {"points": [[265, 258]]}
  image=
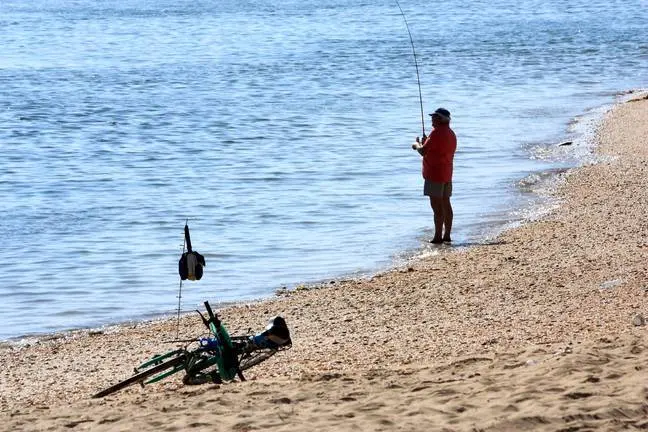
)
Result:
{"points": [[191, 262], [191, 266]]}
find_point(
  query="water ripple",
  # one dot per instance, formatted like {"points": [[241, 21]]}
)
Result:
{"points": [[282, 130]]}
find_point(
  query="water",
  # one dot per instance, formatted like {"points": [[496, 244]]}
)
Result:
{"points": [[281, 129]]}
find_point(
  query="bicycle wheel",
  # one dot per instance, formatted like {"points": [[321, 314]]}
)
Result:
{"points": [[253, 358], [197, 375], [200, 378], [141, 376]]}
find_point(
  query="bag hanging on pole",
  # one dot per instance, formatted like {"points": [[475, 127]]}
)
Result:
{"points": [[191, 262]]}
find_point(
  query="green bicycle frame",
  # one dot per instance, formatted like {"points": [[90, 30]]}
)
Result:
{"points": [[164, 375], [225, 358], [158, 359]]}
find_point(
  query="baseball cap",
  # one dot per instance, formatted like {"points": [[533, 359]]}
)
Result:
{"points": [[443, 113]]}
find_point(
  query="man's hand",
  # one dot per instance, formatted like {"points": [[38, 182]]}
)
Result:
{"points": [[419, 142]]}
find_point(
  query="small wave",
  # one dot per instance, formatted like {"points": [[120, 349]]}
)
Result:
{"points": [[538, 181], [69, 313]]}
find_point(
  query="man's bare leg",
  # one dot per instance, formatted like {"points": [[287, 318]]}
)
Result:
{"points": [[447, 219], [437, 208]]}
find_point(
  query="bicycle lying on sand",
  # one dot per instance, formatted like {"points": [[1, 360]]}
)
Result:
{"points": [[217, 358]]}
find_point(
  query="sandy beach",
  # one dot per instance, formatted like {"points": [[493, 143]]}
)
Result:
{"points": [[540, 329]]}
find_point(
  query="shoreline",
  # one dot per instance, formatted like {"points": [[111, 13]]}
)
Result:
{"points": [[531, 331], [537, 210]]}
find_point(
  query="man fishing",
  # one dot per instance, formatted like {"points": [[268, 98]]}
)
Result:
{"points": [[438, 151]]}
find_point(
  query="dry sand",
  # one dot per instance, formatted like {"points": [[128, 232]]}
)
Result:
{"points": [[533, 331]]}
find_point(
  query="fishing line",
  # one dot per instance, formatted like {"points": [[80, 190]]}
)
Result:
{"points": [[418, 78]]}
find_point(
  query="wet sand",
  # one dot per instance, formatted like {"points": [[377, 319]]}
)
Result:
{"points": [[537, 330]]}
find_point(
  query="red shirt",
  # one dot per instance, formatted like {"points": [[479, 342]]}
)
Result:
{"points": [[440, 148]]}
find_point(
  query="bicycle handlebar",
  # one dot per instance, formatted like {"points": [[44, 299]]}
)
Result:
{"points": [[213, 318], [209, 310]]}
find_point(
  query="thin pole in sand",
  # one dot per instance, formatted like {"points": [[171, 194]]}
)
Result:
{"points": [[418, 78], [184, 244]]}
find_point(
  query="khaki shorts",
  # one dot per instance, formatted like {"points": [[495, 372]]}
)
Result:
{"points": [[437, 190]]}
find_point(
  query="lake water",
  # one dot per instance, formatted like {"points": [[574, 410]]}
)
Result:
{"points": [[281, 130]]}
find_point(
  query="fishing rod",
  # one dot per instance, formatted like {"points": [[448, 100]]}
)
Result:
{"points": [[186, 243], [418, 78]]}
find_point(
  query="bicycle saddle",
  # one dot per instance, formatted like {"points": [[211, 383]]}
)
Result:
{"points": [[277, 331]]}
